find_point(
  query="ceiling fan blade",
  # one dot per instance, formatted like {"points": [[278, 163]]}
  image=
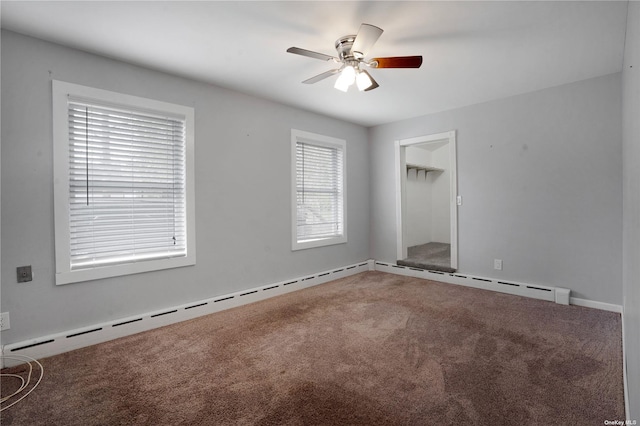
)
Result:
{"points": [[397, 62], [322, 76], [365, 39], [311, 54], [374, 84]]}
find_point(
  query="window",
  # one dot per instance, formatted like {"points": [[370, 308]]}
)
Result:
{"points": [[318, 190], [123, 184]]}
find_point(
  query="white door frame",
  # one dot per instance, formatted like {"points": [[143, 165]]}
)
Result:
{"points": [[401, 184]]}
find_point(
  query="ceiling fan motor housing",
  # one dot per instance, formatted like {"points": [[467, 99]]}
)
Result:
{"points": [[343, 46]]}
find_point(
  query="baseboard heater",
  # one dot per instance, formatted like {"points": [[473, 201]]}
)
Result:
{"points": [[551, 294], [98, 333]]}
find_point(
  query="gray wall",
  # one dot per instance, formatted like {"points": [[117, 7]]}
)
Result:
{"points": [[631, 212], [540, 176], [242, 192]]}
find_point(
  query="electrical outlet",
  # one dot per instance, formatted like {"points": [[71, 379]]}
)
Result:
{"points": [[24, 274], [497, 264], [4, 321]]}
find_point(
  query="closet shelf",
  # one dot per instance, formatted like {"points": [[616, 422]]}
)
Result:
{"points": [[425, 168]]}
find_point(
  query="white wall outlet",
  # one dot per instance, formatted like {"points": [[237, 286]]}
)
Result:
{"points": [[497, 264], [4, 321], [459, 200]]}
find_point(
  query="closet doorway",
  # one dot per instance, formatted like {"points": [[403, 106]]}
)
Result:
{"points": [[426, 202]]}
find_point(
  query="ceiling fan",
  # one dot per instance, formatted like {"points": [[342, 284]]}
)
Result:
{"points": [[351, 52]]}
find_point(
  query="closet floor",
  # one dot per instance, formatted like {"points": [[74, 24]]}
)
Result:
{"points": [[432, 256]]}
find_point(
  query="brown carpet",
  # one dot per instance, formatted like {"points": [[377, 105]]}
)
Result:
{"points": [[371, 349]]}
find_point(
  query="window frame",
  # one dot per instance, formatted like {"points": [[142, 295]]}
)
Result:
{"points": [[61, 92], [300, 136]]}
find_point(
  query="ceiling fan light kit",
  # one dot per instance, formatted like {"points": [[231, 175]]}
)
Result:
{"points": [[352, 50], [363, 81], [346, 79]]}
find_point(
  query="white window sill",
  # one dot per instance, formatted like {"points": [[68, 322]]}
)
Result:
{"points": [[320, 242], [81, 275]]}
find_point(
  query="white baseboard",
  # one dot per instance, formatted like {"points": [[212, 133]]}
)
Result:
{"points": [[58, 343], [595, 304], [503, 286]]}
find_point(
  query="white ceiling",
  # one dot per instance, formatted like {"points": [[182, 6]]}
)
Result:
{"points": [[473, 51]]}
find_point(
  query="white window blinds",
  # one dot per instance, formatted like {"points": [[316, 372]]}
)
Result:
{"points": [[126, 186], [319, 191]]}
